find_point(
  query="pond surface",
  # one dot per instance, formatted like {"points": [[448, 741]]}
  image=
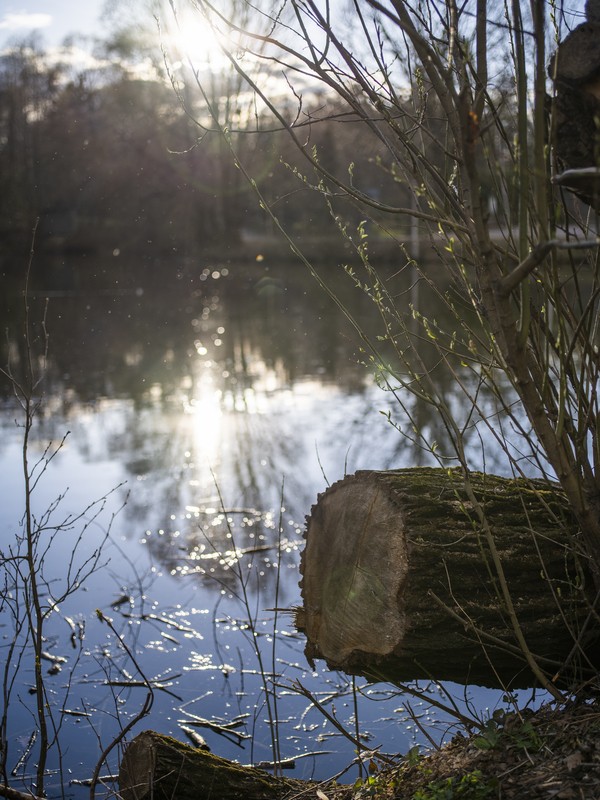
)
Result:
{"points": [[184, 432]]}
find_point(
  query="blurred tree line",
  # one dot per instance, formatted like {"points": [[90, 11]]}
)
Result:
{"points": [[109, 162]]}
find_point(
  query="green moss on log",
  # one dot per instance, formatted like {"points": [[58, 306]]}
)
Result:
{"points": [[399, 578], [158, 767]]}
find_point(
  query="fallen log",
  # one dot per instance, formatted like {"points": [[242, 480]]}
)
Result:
{"points": [[399, 581], [157, 767]]}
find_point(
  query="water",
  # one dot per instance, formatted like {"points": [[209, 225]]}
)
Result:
{"points": [[202, 419]]}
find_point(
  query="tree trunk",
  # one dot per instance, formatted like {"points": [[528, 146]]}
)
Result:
{"points": [[575, 70], [399, 580], [157, 767]]}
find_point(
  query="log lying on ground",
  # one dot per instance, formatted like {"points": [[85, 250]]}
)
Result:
{"points": [[157, 767], [399, 583]]}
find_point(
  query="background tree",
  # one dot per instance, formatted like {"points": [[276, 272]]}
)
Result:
{"points": [[27, 89]]}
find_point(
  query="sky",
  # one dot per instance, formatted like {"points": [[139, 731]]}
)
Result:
{"points": [[56, 19], [52, 19]]}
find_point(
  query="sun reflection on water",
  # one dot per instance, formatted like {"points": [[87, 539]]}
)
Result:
{"points": [[207, 423]]}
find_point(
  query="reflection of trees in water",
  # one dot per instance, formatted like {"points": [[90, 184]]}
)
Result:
{"points": [[246, 376], [121, 341], [107, 341], [210, 550], [250, 457]]}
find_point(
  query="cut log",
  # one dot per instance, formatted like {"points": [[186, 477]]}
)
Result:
{"points": [[399, 583], [157, 767]]}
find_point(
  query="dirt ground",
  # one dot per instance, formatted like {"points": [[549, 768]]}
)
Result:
{"points": [[551, 754]]}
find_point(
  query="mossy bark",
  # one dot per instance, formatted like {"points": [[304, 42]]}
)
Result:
{"points": [[400, 579], [157, 767]]}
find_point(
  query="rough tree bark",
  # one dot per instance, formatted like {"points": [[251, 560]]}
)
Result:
{"points": [[399, 582], [575, 70], [157, 767]]}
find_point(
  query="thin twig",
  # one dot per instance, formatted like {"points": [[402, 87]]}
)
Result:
{"points": [[145, 709]]}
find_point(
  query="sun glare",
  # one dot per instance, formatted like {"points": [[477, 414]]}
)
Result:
{"points": [[208, 424], [192, 39]]}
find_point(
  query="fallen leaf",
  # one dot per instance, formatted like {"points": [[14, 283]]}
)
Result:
{"points": [[573, 760]]}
